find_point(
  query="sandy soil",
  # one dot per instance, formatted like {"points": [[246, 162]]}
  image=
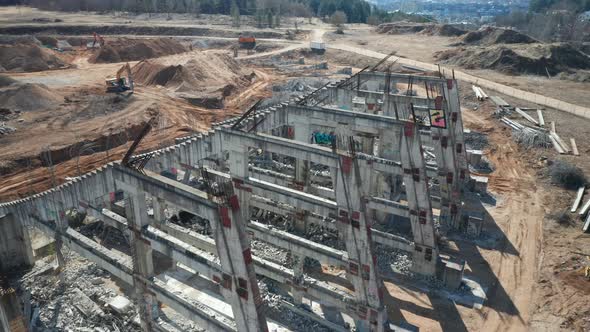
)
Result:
{"points": [[423, 47], [531, 275]]}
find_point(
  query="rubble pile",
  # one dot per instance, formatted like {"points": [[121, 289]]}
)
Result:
{"points": [[278, 311], [475, 140], [391, 259], [269, 252], [5, 129], [81, 304], [483, 166]]}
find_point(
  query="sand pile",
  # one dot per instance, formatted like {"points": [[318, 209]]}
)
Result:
{"points": [[538, 59], [136, 49], [205, 79], [493, 36], [28, 97], [28, 57]]}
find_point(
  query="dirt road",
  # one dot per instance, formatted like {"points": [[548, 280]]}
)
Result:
{"points": [[507, 90]]}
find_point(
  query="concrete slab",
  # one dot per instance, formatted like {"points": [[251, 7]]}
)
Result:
{"points": [[120, 304]]}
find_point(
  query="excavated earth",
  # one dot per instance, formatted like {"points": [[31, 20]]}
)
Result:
{"points": [[29, 56], [124, 49], [205, 79], [531, 59]]}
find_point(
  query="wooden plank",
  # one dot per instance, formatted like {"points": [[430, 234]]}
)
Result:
{"points": [[541, 119], [499, 101], [552, 126], [477, 94], [560, 141], [483, 94], [526, 116], [574, 147], [578, 200], [510, 124], [585, 208], [586, 227], [556, 145]]}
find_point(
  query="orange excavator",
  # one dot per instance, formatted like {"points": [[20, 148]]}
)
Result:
{"points": [[121, 83], [98, 39]]}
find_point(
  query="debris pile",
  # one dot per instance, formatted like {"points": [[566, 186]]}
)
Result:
{"points": [[5, 129], [389, 259], [81, 304], [136, 49], [269, 252], [278, 310], [475, 140]]}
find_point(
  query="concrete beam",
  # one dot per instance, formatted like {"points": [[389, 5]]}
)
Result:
{"points": [[121, 268]]}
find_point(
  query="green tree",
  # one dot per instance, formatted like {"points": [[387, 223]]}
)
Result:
{"points": [[235, 14], [269, 18]]}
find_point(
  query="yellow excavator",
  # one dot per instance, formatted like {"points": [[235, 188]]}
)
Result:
{"points": [[121, 83]]}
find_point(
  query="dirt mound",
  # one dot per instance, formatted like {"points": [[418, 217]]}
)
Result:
{"points": [[28, 97], [403, 27], [151, 73], [448, 30], [136, 49], [26, 39], [537, 59], [493, 36], [28, 58], [205, 79], [47, 41]]}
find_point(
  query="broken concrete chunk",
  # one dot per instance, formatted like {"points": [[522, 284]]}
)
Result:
{"points": [[120, 304], [86, 306]]}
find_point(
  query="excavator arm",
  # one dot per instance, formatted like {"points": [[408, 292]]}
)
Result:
{"points": [[126, 68]]}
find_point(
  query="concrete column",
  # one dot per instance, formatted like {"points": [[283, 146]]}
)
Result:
{"points": [[15, 244], [143, 266], [418, 194], [298, 278], [354, 181], [159, 206], [62, 225], [238, 281], [302, 177], [462, 174], [450, 176]]}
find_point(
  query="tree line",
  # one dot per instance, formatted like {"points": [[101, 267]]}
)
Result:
{"points": [[551, 20], [542, 6], [356, 11]]}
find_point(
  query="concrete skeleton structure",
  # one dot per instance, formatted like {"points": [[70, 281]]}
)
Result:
{"points": [[375, 168]]}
